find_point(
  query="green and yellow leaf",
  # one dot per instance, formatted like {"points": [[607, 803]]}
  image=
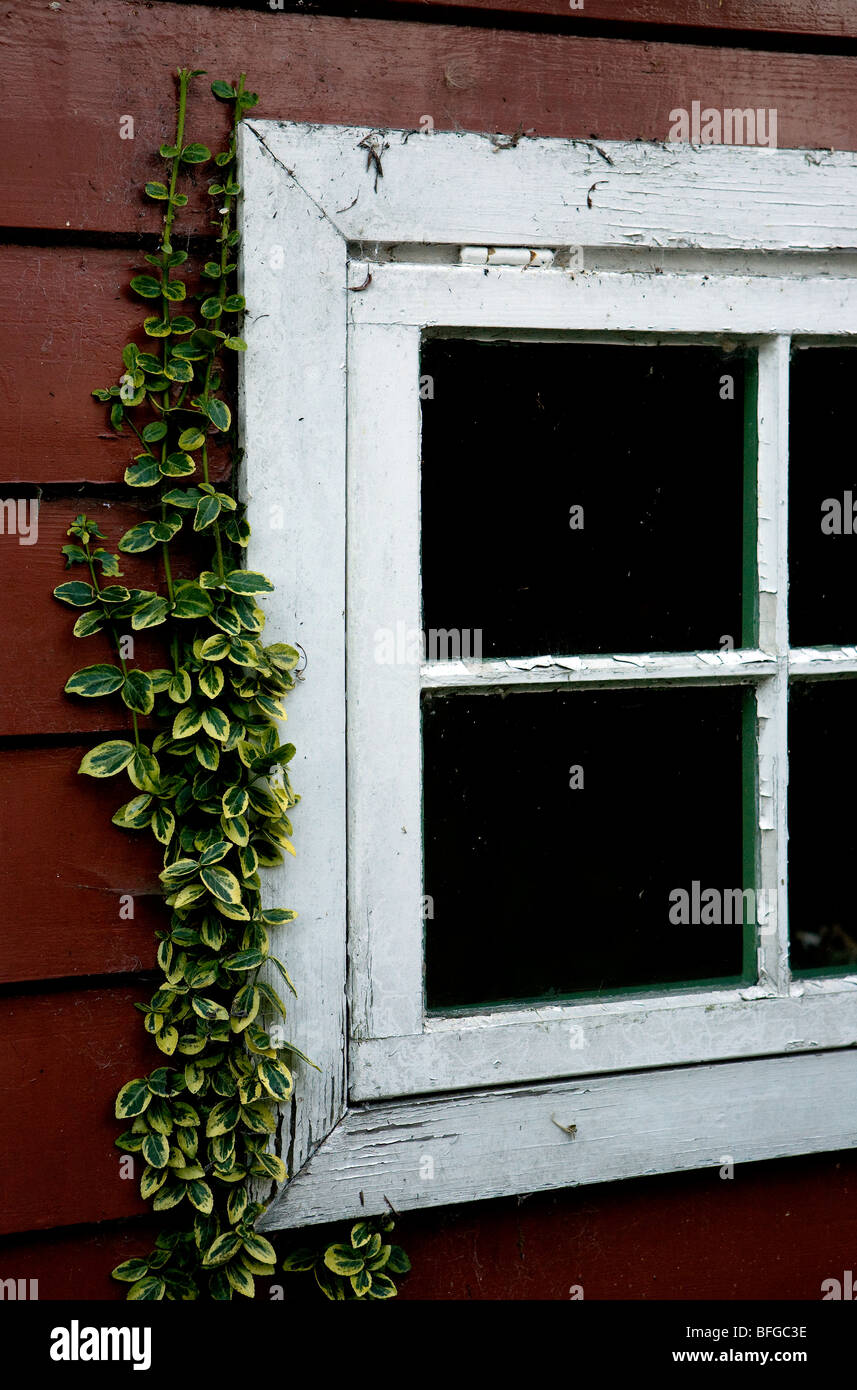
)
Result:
{"points": [[93, 681], [343, 1259], [107, 758], [221, 883], [156, 1150], [149, 1289], [131, 1270], [133, 1098]]}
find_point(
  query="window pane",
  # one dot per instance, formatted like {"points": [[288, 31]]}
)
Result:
{"points": [[822, 824], [556, 826], [822, 493], [645, 443]]}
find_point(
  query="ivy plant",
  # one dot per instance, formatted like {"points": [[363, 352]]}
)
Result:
{"points": [[359, 1268], [207, 767]]}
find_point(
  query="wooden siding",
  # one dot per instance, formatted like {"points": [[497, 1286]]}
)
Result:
{"points": [[752, 19], [68, 1054], [67, 313], [65, 869], [73, 173], [76, 225]]}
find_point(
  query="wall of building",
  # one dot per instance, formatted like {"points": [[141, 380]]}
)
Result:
{"points": [[75, 225]]}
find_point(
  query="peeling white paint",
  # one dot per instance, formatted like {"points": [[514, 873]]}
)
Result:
{"points": [[497, 1142], [642, 668], [505, 255]]}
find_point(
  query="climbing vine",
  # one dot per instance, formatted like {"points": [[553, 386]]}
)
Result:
{"points": [[209, 779]]}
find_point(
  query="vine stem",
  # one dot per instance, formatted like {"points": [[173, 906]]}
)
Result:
{"points": [[184, 80], [117, 646], [166, 252], [221, 294], [129, 421], [182, 823]]}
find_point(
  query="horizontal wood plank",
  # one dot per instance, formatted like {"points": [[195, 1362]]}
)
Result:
{"points": [[825, 18], [777, 1231], [75, 1263], [618, 206], [65, 870], [774, 1231], [74, 172], [40, 651], [429, 1153], [550, 299], [539, 1044], [67, 314], [66, 1057]]}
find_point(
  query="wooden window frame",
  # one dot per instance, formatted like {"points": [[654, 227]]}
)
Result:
{"points": [[345, 267]]}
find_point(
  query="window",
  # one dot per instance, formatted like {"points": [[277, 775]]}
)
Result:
{"points": [[521, 459]]}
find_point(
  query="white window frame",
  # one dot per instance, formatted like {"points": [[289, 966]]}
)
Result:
{"points": [[343, 271]]}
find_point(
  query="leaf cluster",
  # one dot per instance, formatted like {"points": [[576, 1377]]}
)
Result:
{"points": [[210, 783], [361, 1269], [208, 776]]}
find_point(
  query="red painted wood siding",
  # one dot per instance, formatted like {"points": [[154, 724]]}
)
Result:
{"points": [[36, 659], [74, 173], [51, 430], [68, 1053], [75, 214], [776, 1231], [827, 18], [65, 868]]}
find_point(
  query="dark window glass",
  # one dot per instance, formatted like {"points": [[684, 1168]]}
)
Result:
{"points": [[822, 824], [647, 444], [822, 498], [538, 888]]}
